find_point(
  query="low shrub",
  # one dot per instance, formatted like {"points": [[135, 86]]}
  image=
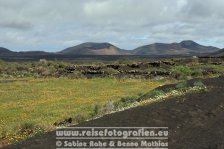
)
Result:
{"points": [[76, 75], [27, 126], [108, 107], [154, 93], [182, 72], [125, 101], [80, 117], [200, 85], [182, 85], [96, 110]]}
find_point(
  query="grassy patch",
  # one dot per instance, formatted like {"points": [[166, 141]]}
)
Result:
{"points": [[28, 102]]}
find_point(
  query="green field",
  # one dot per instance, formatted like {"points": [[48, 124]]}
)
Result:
{"points": [[41, 102], [36, 97]]}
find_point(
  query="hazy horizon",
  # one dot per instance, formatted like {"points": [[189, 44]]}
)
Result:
{"points": [[97, 42]]}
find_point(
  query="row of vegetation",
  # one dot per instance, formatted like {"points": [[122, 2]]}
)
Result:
{"points": [[144, 70], [156, 95]]}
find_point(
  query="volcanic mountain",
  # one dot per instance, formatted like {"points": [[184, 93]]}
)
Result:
{"points": [[186, 47], [4, 51], [91, 48], [218, 53]]}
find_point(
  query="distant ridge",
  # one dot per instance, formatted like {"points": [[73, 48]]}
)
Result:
{"points": [[34, 53], [4, 51], [218, 53], [186, 47]]}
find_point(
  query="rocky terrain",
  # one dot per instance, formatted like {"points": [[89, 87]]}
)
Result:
{"points": [[140, 69]]}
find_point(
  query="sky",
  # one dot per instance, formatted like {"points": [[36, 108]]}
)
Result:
{"points": [[53, 25]]}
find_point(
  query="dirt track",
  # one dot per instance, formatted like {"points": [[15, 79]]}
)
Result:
{"points": [[195, 121]]}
